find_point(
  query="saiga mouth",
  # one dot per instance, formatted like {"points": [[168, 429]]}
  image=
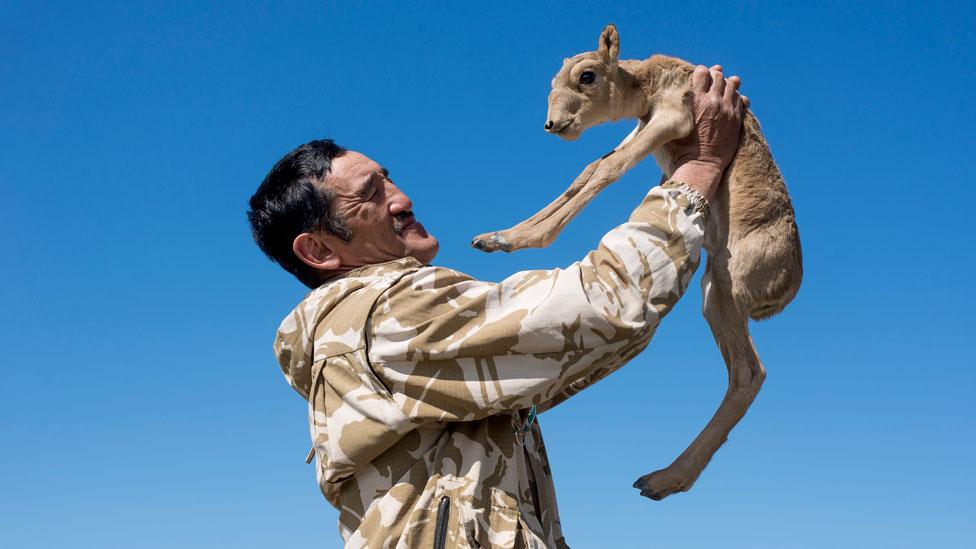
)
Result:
{"points": [[561, 129]]}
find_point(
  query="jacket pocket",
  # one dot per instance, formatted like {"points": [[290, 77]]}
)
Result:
{"points": [[495, 527]]}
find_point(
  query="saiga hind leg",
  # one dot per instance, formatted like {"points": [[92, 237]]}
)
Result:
{"points": [[746, 374]]}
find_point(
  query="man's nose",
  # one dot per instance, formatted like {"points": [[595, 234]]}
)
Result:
{"points": [[399, 202]]}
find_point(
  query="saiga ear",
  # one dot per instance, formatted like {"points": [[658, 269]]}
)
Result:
{"points": [[609, 46]]}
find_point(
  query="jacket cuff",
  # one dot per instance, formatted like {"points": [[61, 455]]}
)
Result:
{"points": [[695, 198]]}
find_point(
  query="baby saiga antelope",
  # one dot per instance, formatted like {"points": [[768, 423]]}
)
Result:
{"points": [[751, 240]]}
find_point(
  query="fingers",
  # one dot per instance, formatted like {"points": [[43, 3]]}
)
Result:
{"points": [[712, 81], [739, 101], [717, 89], [700, 80], [732, 84], [731, 94]]}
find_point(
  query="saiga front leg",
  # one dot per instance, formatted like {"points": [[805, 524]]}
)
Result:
{"points": [[540, 230], [494, 241]]}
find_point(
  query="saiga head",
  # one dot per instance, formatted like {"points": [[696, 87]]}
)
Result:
{"points": [[582, 89]]}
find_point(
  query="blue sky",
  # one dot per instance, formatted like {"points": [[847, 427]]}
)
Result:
{"points": [[141, 406]]}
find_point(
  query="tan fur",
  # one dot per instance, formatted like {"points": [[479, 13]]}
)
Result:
{"points": [[754, 264]]}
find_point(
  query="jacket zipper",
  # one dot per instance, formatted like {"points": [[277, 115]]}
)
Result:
{"points": [[440, 528]]}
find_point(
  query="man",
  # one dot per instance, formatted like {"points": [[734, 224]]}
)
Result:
{"points": [[423, 383]]}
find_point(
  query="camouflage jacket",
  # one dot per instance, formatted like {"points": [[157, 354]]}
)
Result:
{"points": [[419, 379]]}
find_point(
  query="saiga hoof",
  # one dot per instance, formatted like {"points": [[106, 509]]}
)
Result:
{"points": [[491, 242], [661, 484]]}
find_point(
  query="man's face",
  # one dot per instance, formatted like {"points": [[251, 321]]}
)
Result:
{"points": [[379, 215]]}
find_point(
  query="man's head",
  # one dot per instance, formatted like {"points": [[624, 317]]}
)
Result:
{"points": [[323, 210]]}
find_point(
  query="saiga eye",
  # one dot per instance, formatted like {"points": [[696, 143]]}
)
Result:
{"points": [[587, 78]]}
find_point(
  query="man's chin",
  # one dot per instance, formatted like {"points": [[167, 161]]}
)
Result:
{"points": [[425, 253]]}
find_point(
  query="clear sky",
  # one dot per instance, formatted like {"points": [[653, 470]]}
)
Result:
{"points": [[140, 403]]}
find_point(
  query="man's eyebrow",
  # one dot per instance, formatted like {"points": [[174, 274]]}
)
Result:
{"points": [[368, 180], [366, 185]]}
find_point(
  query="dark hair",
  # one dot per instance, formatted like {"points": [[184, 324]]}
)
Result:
{"points": [[292, 200]]}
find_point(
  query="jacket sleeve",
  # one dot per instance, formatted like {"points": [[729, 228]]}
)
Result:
{"points": [[452, 348]]}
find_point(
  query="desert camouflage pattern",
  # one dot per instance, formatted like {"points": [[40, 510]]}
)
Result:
{"points": [[419, 379]]}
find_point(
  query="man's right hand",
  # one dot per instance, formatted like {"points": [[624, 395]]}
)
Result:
{"points": [[702, 157]]}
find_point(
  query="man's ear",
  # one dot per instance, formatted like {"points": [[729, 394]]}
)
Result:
{"points": [[609, 46], [315, 252]]}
